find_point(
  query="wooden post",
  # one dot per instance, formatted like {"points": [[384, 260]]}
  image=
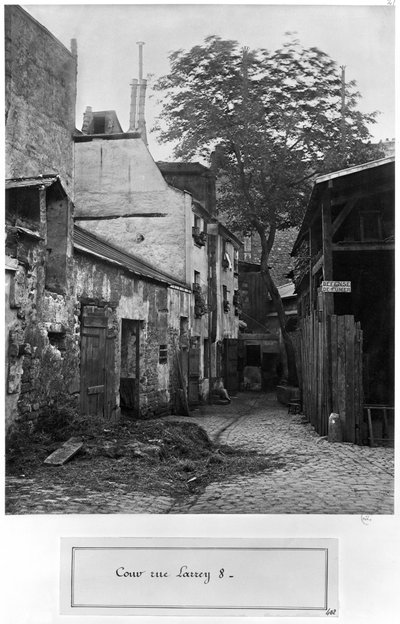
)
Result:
{"points": [[328, 301], [327, 245]]}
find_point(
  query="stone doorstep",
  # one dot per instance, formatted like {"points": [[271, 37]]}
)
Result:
{"points": [[65, 452]]}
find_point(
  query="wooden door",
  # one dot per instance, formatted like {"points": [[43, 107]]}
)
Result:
{"points": [[194, 372], [130, 363], [231, 376], [93, 360]]}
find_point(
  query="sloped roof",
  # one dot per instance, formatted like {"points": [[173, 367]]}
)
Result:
{"points": [[91, 244], [355, 169], [340, 175], [37, 181], [286, 290], [184, 168]]}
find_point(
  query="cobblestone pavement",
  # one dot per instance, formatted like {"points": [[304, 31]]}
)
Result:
{"points": [[316, 477], [319, 477], [27, 498]]}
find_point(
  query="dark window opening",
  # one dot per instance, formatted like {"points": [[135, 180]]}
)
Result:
{"points": [[57, 340], [225, 302], [163, 355], [253, 355], [23, 208]]}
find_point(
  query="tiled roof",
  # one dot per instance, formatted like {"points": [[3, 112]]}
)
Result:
{"points": [[88, 243]]}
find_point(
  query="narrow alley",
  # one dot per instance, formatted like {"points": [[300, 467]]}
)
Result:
{"points": [[317, 477]]}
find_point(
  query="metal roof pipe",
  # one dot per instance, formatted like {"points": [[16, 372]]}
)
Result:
{"points": [[132, 114]]}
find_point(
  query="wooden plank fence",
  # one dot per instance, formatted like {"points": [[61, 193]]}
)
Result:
{"points": [[329, 356]]}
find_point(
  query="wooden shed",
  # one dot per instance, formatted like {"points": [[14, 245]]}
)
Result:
{"points": [[344, 278]]}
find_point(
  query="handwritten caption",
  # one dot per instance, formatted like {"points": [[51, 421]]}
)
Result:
{"points": [[206, 576]]}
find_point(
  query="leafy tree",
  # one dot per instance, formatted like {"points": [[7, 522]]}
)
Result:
{"points": [[273, 120]]}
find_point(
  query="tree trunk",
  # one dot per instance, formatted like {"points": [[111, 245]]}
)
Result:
{"points": [[278, 305], [266, 246]]}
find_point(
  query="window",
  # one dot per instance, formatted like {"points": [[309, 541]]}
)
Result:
{"points": [[163, 355], [225, 302], [247, 248], [196, 281], [236, 261], [199, 236], [226, 259]]}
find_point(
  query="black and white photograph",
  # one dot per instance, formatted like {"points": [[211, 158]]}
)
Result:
{"points": [[201, 321], [200, 268]]}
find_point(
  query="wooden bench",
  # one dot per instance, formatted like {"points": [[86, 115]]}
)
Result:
{"points": [[383, 411]]}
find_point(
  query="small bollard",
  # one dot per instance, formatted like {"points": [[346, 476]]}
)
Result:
{"points": [[335, 433]]}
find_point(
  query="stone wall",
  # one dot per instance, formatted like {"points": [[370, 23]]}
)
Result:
{"points": [[40, 82], [43, 348], [130, 297]]}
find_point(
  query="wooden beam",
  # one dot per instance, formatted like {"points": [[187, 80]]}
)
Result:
{"points": [[327, 234], [318, 264], [343, 215], [362, 194], [363, 247], [327, 245]]}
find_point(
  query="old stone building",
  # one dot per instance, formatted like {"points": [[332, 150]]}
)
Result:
{"points": [[41, 344], [166, 214], [108, 298], [131, 321]]}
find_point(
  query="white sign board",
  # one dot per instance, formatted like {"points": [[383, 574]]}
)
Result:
{"points": [[336, 287], [289, 577]]}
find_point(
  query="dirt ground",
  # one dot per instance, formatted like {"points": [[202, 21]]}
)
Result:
{"points": [[157, 457]]}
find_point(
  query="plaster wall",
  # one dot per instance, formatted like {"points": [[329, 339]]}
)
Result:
{"points": [[228, 322], [129, 204]]}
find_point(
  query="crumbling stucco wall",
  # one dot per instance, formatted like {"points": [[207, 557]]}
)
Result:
{"points": [[120, 189]]}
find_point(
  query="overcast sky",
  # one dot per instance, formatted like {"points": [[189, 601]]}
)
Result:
{"points": [[360, 37]]}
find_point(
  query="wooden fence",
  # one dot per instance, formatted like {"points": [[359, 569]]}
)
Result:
{"points": [[329, 357]]}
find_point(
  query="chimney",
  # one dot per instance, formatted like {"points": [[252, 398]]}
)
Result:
{"points": [[87, 119], [141, 122], [137, 121], [132, 116]]}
